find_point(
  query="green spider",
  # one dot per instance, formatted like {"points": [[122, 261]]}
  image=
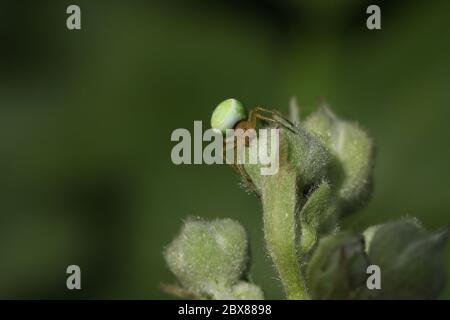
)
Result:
{"points": [[231, 114]]}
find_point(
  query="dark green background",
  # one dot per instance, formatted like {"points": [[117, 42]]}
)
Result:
{"points": [[86, 117]]}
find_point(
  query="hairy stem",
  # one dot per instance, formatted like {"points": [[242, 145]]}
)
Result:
{"points": [[280, 232]]}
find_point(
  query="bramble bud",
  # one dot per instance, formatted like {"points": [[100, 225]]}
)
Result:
{"points": [[353, 157], [209, 257], [410, 259], [337, 269]]}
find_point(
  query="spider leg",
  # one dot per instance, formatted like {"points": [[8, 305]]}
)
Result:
{"points": [[277, 115], [239, 168], [246, 178], [271, 116]]}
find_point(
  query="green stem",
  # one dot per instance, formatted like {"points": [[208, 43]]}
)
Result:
{"points": [[279, 204]]}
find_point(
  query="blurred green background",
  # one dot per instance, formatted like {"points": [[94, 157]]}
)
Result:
{"points": [[86, 117]]}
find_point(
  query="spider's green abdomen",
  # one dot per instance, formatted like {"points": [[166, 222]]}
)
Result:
{"points": [[227, 114]]}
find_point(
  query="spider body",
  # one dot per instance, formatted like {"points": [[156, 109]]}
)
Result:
{"points": [[228, 114], [231, 114]]}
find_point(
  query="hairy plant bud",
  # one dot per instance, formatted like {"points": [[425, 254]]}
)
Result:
{"points": [[410, 259], [337, 269], [352, 150], [209, 257], [317, 217], [299, 152]]}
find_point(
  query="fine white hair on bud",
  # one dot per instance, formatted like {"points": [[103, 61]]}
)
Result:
{"points": [[352, 151], [410, 258], [210, 257]]}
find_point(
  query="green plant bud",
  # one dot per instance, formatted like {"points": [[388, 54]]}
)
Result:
{"points": [[308, 155], [352, 150], [317, 217], [300, 151], [337, 269], [209, 257], [410, 259], [389, 233], [247, 291]]}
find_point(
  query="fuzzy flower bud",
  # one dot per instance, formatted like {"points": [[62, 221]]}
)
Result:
{"points": [[337, 269], [210, 257], [410, 259], [353, 157]]}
